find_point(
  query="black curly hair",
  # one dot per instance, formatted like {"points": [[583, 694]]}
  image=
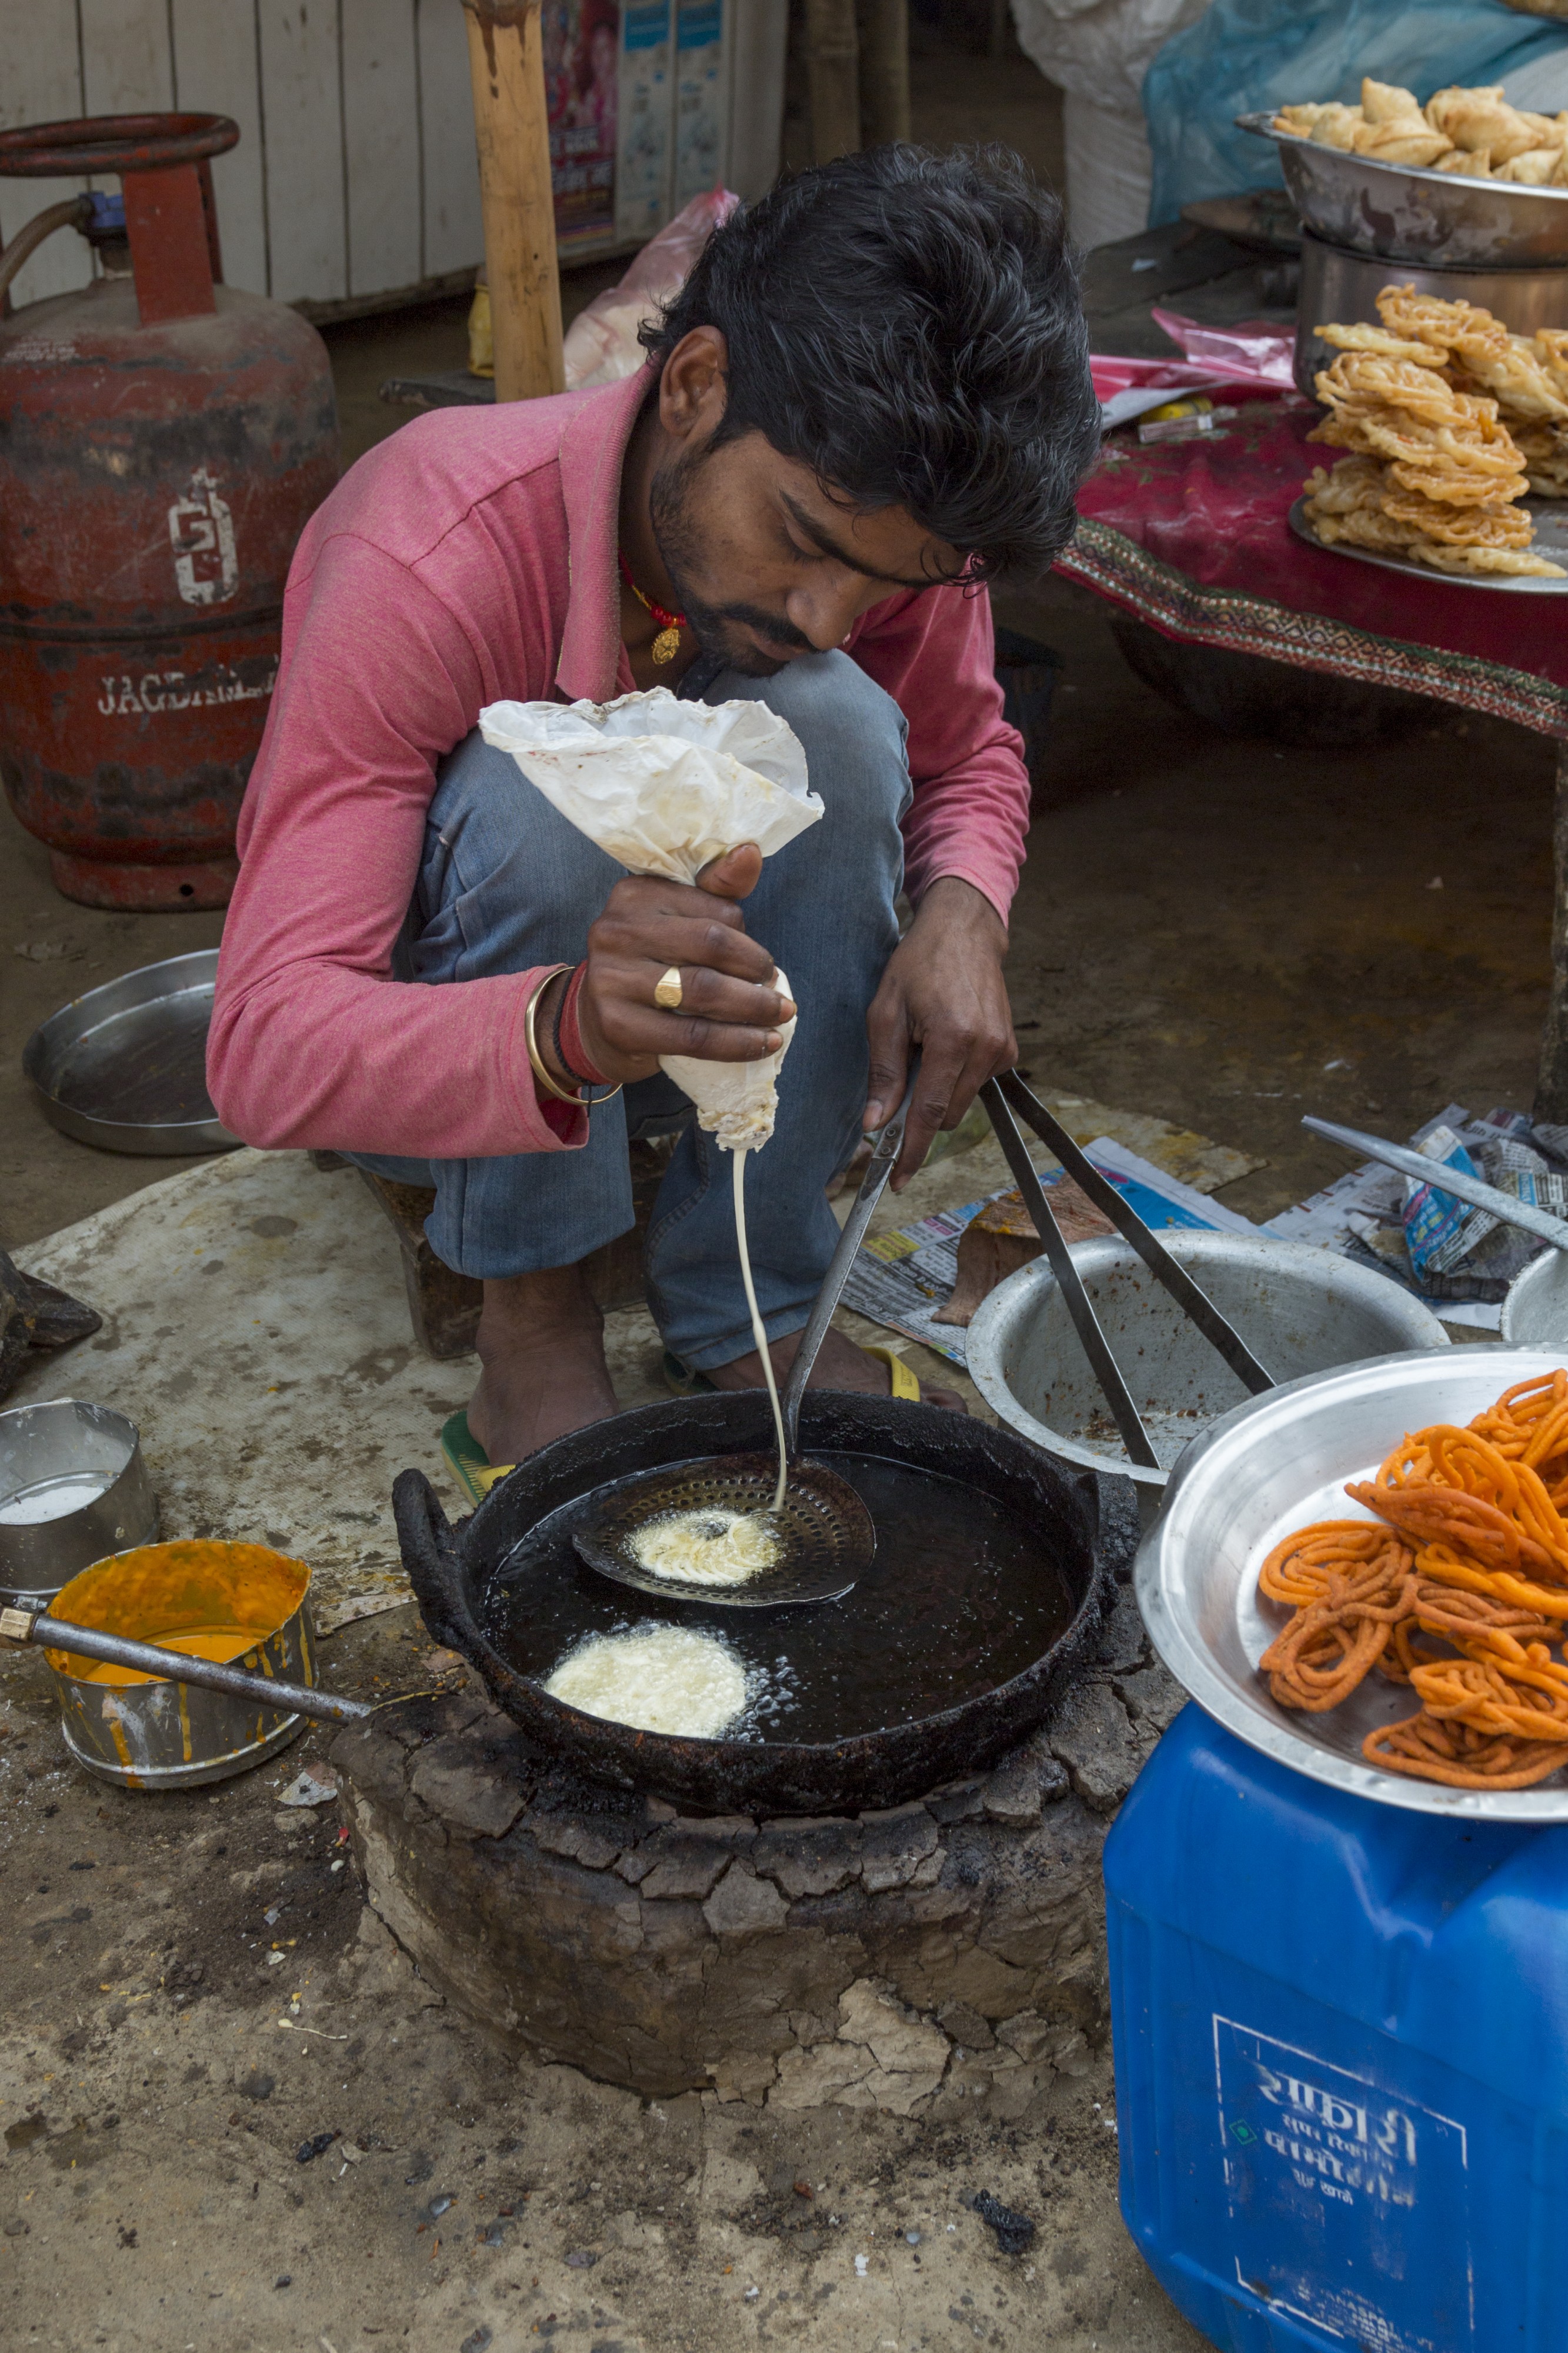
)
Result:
{"points": [[910, 326]]}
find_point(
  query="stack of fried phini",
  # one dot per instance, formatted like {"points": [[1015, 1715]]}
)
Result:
{"points": [[1469, 1549], [1452, 420]]}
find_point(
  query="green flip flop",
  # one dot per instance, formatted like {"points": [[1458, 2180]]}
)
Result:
{"points": [[471, 1467]]}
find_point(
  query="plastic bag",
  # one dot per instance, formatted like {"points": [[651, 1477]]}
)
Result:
{"points": [[1100, 49], [1247, 55], [664, 786], [602, 344], [1255, 354]]}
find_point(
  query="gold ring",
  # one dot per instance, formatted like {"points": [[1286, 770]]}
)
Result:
{"points": [[668, 992]]}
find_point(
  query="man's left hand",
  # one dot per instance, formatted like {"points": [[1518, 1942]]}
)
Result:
{"points": [[943, 992]]}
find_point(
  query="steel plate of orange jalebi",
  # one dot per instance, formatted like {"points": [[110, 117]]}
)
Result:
{"points": [[1458, 1588]]}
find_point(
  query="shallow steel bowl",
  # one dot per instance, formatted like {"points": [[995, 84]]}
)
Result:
{"points": [[1404, 215], [124, 1066], [1300, 1309], [1535, 1311], [45, 1451], [1274, 1465]]}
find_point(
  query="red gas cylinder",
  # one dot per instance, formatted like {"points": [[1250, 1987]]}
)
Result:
{"points": [[163, 439]]}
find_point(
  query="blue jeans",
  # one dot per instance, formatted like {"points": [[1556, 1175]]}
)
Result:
{"points": [[506, 884]]}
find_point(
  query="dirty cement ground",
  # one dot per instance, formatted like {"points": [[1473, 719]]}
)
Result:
{"points": [[1204, 926]]}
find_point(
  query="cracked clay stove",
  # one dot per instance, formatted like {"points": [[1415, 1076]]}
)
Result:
{"points": [[895, 1920]]}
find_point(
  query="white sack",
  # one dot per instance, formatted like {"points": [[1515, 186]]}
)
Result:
{"points": [[1101, 49], [1109, 170], [664, 787]]}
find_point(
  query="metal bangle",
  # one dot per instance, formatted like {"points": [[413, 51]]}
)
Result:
{"points": [[541, 1074]]}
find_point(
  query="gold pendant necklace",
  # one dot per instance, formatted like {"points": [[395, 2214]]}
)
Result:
{"points": [[667, 645]]}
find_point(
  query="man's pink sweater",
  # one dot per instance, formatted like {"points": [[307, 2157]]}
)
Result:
{"points": [[471, 559]]}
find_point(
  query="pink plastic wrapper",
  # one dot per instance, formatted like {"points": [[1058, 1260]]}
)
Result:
{"points": [[601, 342], [1252, 353]]}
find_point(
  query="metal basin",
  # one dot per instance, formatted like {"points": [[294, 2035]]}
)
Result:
{"points": [[1301, 1309], [86, 1457], [1276, 1464], [1535, 1311], [125, 1067], [1402, 214], [242, 1603]]}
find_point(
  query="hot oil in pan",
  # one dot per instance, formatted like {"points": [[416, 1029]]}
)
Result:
{"points": [[957, 1601]]}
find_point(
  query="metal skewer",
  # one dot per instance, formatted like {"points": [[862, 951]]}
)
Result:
{"points": [[889, 1143], [1427, 1171], [175, 1666]]}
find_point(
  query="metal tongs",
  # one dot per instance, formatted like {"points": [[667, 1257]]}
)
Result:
{"points": [[1008, 1094]]}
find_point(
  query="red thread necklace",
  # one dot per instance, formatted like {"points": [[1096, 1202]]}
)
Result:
{"points": [[667, 645]]}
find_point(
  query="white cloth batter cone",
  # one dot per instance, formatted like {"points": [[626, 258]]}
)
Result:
{"points": [[666, 787]]}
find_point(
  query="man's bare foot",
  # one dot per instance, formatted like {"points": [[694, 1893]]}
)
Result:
{"points": [[542, 1345], [840, 1364]]}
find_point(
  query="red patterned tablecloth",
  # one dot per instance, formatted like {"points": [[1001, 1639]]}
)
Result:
{"points": [[1193, 537]]}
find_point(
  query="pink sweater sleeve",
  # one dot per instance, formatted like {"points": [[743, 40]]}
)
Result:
{"points": [[312, 1042], [934, 652]]}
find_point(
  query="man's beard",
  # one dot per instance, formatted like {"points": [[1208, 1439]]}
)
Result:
{"points": [[714, 627]]}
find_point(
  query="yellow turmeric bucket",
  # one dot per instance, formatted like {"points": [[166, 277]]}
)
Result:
{"points": [[242, 1604]]}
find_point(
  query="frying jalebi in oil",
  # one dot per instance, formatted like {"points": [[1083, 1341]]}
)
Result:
{"points": [[1458, 1588]]}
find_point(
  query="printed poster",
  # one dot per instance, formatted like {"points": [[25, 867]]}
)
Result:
{"points": [[582, 41]]}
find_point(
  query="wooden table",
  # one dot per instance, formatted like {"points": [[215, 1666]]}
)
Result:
{"points": [[1154, 542]]}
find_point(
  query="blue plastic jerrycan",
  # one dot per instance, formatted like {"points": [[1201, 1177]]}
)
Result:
{"points": [[1342, 2060]]}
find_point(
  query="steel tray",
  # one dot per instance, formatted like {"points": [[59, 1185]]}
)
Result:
{"points": [[1273, 1465], [125, 1067], [1551, 517], [1402, 214]]}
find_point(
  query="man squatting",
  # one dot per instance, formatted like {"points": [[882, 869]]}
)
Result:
{"points": [[871, 397]]}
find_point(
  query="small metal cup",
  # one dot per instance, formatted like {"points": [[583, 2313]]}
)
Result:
{"points": [[42, 1447]]}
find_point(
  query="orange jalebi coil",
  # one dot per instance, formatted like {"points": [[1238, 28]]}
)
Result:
{"points": [[1299, 1571], [1329, 1646], [1452, 1484], [1470, 1549], [1465, 1760], [1347, 1581], [1529, 1424], [1453, 1614]]}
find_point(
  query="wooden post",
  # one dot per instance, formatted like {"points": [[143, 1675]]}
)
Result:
{"points": [[506, 58], [1551, 1086], [833, 62], [884, 71]]}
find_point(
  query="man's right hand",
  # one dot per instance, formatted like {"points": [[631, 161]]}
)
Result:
{"points": [[729, 1009]]}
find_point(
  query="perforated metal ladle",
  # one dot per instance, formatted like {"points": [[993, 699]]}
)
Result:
{"points": [[826, 1535]]}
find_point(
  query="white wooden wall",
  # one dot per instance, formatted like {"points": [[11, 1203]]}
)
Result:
{"points": [[365, 179], [355, 173]]}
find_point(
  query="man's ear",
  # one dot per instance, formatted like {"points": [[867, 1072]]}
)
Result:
{"points": [[693, 387]]}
